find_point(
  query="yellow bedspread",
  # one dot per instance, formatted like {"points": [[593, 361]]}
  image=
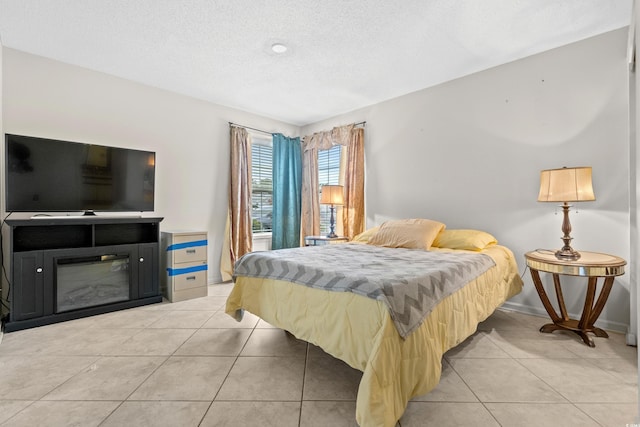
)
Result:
{"points": [[360, 331]]}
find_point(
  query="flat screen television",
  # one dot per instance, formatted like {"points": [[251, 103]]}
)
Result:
{"points": [[48, 175]]}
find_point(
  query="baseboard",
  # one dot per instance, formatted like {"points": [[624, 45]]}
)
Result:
{"points": [[535, 311], [524, 309]]}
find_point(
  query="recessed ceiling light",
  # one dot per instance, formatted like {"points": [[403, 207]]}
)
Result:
{"points": [[278, 48]]}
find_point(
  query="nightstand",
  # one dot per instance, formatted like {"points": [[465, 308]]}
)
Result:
{"points": [[591, 265], [323, 240]]}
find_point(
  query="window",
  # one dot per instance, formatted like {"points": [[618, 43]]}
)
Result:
{"points": [[328, 173], [262, 183]]}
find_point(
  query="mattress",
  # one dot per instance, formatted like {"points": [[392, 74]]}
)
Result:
{"points": [[361, 332]]}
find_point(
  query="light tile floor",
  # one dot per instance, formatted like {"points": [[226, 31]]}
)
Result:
{"points": [[189, 364]]}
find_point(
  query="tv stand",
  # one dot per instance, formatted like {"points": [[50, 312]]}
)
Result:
{"points": [[83, 216], [116, 259]]}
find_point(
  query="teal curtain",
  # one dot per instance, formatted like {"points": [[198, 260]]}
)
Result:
{"points": [[287, 192]]}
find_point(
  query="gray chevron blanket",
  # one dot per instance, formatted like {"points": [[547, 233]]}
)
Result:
{"points": [[410, 282]]}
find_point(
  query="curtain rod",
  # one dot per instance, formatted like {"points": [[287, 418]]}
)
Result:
{"points": [[363, 123], [247, 127]]}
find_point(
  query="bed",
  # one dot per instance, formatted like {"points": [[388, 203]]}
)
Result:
{"points": [[399, 350]]}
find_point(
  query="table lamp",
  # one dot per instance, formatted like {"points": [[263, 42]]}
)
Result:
{"points": [[332, 195], [566, 185]]}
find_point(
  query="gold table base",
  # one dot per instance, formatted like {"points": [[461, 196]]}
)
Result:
{"points": [[590, 312]]}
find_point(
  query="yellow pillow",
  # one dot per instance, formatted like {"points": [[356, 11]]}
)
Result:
{"points": [[365, 235], [407, 233], [471, 240]]}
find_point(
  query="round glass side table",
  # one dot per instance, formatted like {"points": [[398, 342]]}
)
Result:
{"points": [[592, 265]]}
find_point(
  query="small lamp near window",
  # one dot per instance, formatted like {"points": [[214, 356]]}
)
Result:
{"points": [[332, 195], [566, 185]]}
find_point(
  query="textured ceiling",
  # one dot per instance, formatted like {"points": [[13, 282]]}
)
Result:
{"points": [[343, 54]]}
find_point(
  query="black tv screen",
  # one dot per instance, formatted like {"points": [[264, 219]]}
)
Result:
{"points": [[47, 175]]}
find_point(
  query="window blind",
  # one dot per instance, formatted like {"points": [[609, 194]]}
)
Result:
{"points": [[262, 185], [328, 174]]}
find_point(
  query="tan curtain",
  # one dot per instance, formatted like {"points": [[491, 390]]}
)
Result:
{"points": [[238, 233], [310, 218], [352, 138], [353, 210]]}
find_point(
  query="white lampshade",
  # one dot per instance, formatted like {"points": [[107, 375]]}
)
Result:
{"points": [[332, 195], [566, 185]]}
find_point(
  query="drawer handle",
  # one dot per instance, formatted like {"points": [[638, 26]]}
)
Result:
{"points": [[191, 251], [191, 278], [39, 270]]}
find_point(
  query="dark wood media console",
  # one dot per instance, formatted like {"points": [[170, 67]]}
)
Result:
{"points": [[66, 268]]}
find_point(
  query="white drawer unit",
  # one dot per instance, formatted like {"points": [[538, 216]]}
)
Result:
{"points": [[184, 256]]}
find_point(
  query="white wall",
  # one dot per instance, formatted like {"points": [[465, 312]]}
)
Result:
{"points": [[469, 153], [634, 143], [50, 99], [633, 182]]}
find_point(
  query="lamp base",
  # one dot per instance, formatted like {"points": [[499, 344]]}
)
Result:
{"points": [[567, 254], [332, 224]]}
